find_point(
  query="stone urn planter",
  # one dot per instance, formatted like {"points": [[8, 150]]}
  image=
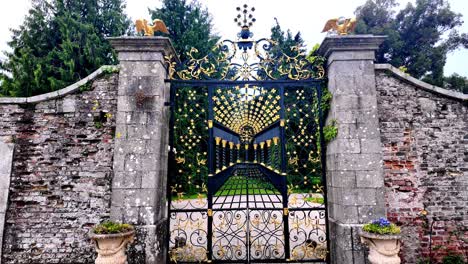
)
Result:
{"points": [[111, 247], [383, 249], [383, 240]]}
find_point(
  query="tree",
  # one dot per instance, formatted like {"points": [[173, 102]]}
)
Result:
{"points": [[285, 40], [189, 26], [415, 35], [59, 43], [457, 82]]}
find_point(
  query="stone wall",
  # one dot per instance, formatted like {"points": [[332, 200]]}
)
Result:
{"points": [[424, 132], [6, 160], [62, 171], [141, 156], [401, 150], [355, 188]]}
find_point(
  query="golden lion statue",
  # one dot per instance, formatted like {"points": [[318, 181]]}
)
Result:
{"points": [[341, 25], [158, 26]]}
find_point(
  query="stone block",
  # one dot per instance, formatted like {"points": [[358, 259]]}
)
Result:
{"points": [[6, 157], [341, 145], [140, 56], [4, 182], [365, 84], [126, 179], [146, 215], [2, 225], [353, 162], [125, 214], [3, 201], [68, 105], [347, 247], [150, 179], [147, 132], [346, 102], [347, 214], [341, 235], [119, 159], [368, 213], [369, 179], [338, 56], [341, 178], [346, 117], [371, 145], [121, 118], [126, 103], [156, 118], [147, 197], [359, 196], [142, 85], [118, 199], [151, 163], [142, 68], [136, 162]]}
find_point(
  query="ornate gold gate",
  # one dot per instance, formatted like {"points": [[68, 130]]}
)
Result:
{"points": [[247, 178]]}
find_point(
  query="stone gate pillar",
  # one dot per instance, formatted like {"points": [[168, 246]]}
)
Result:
{"points": [[141, 144], [354, 158]]}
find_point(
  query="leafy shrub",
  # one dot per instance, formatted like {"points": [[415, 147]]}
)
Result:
{"points": [[453, 259], [382, 227], [110, 227], [109, 69], [330, 131]]}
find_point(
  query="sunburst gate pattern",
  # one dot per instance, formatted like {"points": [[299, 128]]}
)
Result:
{"points": [[246, 110], [246, 178]]}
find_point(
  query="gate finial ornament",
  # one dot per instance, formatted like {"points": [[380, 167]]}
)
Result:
{"points": [[149, 30], [341, 25]]}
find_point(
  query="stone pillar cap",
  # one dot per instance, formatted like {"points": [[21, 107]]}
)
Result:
{"points": [[350, 43], [143, 44]]}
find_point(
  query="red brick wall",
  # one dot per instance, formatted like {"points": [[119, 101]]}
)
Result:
{"points": [[425, 152]]}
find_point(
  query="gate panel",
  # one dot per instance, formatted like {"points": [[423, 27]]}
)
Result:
{"points": [[188, 172], [230, 236], [247, 181], [267, 231], [305, 174]]}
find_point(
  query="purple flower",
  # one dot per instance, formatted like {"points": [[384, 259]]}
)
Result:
{"points": [[382, 222]]}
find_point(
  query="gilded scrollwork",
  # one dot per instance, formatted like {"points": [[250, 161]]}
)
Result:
{"points": [[265, 61]]}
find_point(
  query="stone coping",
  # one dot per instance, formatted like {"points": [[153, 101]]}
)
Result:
{"points": [[95, 236], [378, 236], [420, 84], [142, 44], [349, 43], [55, 94]]}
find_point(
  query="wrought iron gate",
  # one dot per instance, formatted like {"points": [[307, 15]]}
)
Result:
{"points": [[246, 173]]}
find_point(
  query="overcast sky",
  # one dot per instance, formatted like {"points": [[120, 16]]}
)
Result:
{"points": [[306, 16]]}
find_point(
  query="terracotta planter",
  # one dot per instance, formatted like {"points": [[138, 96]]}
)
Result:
{"points": [[111, 247], [383, 249]]}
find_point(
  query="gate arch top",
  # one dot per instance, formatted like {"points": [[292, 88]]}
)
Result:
{"points": [[246, 59]]}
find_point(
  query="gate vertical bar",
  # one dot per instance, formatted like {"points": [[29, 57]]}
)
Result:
{"points": [[283, 173], [211, 172], [171, 160], [323, 152]]}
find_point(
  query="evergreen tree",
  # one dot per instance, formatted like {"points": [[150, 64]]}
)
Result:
{"points": [[59, 43], [415, 35], [189, 25], [285, 40]]}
